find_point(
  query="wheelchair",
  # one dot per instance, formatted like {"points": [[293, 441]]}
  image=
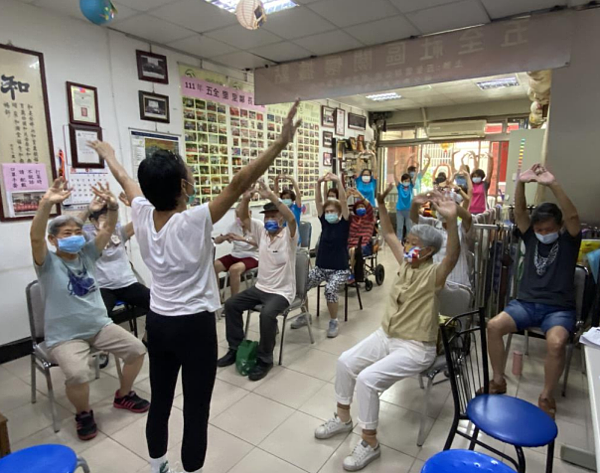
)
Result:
{"points": [[367, 264]]}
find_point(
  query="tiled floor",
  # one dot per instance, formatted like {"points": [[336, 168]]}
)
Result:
{"points": [[268, 426]]}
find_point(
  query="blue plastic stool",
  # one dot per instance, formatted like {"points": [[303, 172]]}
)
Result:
{"points": [[464, 461], [43, 459]]}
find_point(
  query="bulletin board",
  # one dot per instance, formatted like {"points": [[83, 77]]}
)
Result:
{"points": [[25, 133]]}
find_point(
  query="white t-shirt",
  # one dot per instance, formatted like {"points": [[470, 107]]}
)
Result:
{"points": [[461, 274], [180, 257], [277, 256], [241, 249], [113, 270]]}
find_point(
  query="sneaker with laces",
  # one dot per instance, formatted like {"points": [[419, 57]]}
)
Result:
{"points": [[333, 329], [132, 402], [361, 456], [86, 426], [333, 427], [300, 322]]}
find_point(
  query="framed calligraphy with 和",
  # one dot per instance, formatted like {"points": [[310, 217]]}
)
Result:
{"points": [[25, 130]]}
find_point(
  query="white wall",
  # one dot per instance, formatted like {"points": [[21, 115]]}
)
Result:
{"points": [[80, 52], [574, 126]]}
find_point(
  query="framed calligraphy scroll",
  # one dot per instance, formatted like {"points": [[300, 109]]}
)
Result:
{"points": [[25, 130]]}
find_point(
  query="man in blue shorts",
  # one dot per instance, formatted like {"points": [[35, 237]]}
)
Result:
{"points": [[546, 296]]}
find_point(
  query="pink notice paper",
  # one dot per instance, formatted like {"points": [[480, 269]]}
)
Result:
{"points": [[200, 89], [24, 177]]}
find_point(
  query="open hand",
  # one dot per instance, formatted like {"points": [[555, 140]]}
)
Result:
{"points": [[531, 175], [544, 177], [289, 127], [263, 190], [381, 197], [104, 150], [58, 192], [446, 207], [104, 194], [96, 204], [123, 198]]}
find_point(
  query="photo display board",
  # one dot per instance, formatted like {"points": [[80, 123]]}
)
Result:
{"points": [[224, 130]]}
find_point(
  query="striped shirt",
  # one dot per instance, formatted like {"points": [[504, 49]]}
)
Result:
{"points": [[462, 272], [361, 227]]}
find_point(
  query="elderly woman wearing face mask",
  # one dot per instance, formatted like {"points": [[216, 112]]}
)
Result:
{"points": [[366, 181], [332, 256]]}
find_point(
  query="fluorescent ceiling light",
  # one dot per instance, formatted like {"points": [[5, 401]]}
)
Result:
{"points": [[498, 83], [384, 97], [271, 6]]}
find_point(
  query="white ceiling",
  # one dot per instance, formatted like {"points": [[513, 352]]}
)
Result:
{"points": [[315, 27], [443, 94]]}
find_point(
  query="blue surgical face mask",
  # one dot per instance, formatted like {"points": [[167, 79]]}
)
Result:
{"points": [[361, 212], [272, 226], [332, 218], [287, 202], [72, 244], [477, 180], [461, 181], [412, 174], [192, 196], [547, 239]]}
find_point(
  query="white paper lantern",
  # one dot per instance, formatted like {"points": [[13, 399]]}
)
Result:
{"points": [[251, 14]]}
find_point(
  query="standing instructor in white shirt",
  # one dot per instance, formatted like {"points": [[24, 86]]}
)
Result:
{"points": [[175, 243]]}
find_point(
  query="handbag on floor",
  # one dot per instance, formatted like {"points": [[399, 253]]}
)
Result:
{"points": [[245, 359]]}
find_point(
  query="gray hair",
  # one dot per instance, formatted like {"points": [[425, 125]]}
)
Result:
{"points": [[56, 224], [429, 236]]}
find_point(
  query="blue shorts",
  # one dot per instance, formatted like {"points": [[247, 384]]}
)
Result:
{"points": [[530, 314]]}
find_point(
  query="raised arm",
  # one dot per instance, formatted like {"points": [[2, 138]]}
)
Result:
{"points": [[465, 215], [296, 191], [417, 202], [95, 205], [276, 184], [319, 197], [105, 232], [425, 168], [490, 168], [242, 211], [387, 230], [522, 218], [396, 178], [255, 169], [447, 208], [105, 151], [569, 211], [55, 195], [129, 230], [343, 198], [283, 209]]}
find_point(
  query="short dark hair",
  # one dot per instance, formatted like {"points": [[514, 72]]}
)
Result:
{"points": [[442, 174], [160, 178], [289, 192], [404, 177], [547, 211], [412, 169], [335, 190], [362, 173], [478, 173], [333, 203]]}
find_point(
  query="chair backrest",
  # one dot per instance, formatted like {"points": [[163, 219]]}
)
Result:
{"points": [[465, 346], [455, 299], [581, 277], [302, 265], [35, 309], [305, 234]]}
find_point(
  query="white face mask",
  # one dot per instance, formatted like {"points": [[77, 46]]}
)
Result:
{"points": [[366, 179], [476, 180], [548, 238], [458, 198]]}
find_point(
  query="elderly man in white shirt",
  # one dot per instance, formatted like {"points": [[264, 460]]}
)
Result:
{"points": [[275, 287]]}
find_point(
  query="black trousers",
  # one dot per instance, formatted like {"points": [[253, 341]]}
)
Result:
{"points": [[137, 294], [273, 305], [188, 342]]}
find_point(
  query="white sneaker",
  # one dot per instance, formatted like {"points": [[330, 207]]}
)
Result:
{"points": [[300, 322], [361, 456], [333, 329], [333, 427]]}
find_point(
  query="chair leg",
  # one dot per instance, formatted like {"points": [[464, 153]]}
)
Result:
{"points": [[247, 324], [118, 366], [135, 327], [346, 303], [526, 343], [570, 347], [474, 438], [358, 295], [33, 380], [550, 458], [422, 435], [421, 385], [282, 337], [507, 349], [521, 460], [318, 300], [97, 366], [308, 316], [81, 463], [583, 367], [52, 401], [451, 434]]}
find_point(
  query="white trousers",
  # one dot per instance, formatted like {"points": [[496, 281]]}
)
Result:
{"points": [[374, 365]]}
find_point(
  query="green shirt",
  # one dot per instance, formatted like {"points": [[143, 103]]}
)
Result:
{"points": [[67, 315]]}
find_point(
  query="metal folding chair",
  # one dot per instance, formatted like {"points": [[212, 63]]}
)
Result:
{"points": [[299, 303], [305, 230]]}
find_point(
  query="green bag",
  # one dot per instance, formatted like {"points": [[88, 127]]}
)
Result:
{"points": [[245, 359]]}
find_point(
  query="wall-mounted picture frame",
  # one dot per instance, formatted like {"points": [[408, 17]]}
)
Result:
{"points": [[83, 104], [327, 116], [340, 121], [357, 122], [152, 67], [154, 107], [327, 139], [82, 156], [326, 159]]}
